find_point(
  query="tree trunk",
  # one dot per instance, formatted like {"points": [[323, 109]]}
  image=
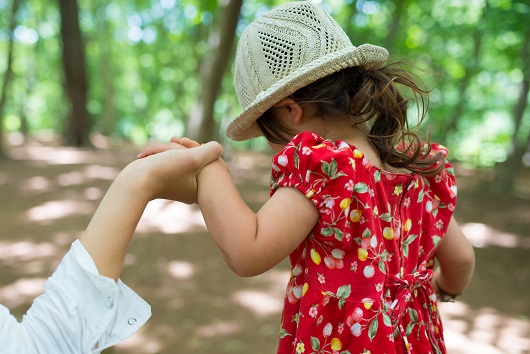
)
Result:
{"points": [[393, 29], [201, 124], [106, 122], [77, 127], [452, 124], [508, 171], [8, 73]]}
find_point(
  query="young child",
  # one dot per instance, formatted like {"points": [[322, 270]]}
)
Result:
{"points": [[85, 307], [360, 205]]}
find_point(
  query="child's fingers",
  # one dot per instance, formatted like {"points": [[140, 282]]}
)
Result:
{"points": [[207, 153], [175, 139]]}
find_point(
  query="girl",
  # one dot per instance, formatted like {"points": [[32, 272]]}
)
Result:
{"points": [[360, 205]]}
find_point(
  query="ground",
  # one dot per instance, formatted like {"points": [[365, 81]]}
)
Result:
{"points": [[48, 194]]}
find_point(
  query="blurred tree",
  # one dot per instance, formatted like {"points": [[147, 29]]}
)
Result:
{"points": [[508, 171], [470, 68], [77, 129], [8, 72], [201, 124]]}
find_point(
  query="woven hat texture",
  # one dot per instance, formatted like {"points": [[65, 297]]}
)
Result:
{"points": [[284, 50]]}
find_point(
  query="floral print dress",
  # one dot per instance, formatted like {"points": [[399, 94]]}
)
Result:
{"points": [[361, 280]]}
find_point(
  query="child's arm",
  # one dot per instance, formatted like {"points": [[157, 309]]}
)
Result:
{"points": [[168, 175], [251, 243], [457, 261]]}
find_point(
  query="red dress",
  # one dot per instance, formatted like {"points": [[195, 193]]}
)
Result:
{"points": [[360, 281]]}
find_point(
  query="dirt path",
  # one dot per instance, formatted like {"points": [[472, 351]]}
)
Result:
{"points": [[48, 194]]}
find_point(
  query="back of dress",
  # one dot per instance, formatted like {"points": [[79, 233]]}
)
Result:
{"points": [[361, 280]]}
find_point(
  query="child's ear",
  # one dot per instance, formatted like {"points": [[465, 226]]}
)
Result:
{"points": [[291, 108]]}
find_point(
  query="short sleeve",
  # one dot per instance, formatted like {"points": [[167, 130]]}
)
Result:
{"points": [[443, 192], [309, 163]]}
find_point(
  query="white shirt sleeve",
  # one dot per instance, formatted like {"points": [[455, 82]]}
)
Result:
{"points": [[79, 312]]}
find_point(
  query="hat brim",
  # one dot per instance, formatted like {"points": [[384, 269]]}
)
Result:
{"points": [[244, 126]]}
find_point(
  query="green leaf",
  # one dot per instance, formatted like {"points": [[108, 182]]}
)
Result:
{"points": [[435, 212], [327, 168], [284, 333], [327, 231], [413, 315], [409, 329], [420, 196], [345, 352], [360, 187], [373, 329], [344, 291], [367, 233], [450, 171], [315, 343], [406, 250], [436, 240], [377, 176], [357, 240], [338, 234], [296, 159], [387, 320], [382, 266], [410, 239], [386, 217], [342, 302]]}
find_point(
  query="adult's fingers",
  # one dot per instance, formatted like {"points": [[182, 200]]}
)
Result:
{"points": [[155, 149]]}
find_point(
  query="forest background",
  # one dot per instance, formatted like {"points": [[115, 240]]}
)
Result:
{"points": [[84, 83]]}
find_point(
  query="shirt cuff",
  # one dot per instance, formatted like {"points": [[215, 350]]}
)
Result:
{"points": [[112, 310]]}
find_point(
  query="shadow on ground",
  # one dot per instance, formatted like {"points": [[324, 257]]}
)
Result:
{"points": [[48, 194]]}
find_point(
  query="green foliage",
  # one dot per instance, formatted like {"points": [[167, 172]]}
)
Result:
{"points": [[144, 58]]}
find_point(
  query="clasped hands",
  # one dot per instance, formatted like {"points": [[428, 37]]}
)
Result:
{"points": [[170, 170]]}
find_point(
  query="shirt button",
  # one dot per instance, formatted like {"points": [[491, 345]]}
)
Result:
{"points": [[109, 302], [131, 321]]}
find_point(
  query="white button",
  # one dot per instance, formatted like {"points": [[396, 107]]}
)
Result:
{"points": [[109, 302], [131, 321]]}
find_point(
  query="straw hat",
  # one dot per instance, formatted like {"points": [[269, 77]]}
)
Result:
{"points": [[284, 50]]}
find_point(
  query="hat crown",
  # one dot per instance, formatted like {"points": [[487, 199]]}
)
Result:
{"points": [[281, 41]]}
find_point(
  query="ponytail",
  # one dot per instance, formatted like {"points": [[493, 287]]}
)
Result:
{"points": [[372, 95]]}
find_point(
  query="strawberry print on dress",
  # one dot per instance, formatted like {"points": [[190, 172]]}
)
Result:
{"points": [[361, 280]]}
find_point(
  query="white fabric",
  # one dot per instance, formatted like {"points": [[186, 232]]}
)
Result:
{"points": [[79, 312]]}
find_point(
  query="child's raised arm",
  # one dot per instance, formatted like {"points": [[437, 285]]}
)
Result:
{"points": [[251, 243], [457, 261]]}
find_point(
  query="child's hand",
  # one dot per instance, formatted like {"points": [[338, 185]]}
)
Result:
{"points": [[170, 169]]}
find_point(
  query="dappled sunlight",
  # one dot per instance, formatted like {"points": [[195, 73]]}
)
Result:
{"points": [[482, 235], [218, 328], [140, 342], [483, 331], [24, 251], [54, 155], [259, 302], [170, 217], [21, 291], [180, 270], [268, 302], [59, 209], [37, 183]]}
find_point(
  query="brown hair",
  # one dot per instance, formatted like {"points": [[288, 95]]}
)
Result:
{"points": [[369, 94]]}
